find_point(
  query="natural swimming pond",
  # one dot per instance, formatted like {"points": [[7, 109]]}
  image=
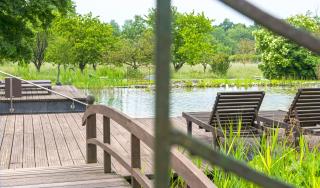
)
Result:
{"points": [[140, 102]]}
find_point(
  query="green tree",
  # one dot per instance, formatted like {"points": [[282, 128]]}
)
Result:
{"points": [[60, 52], [222, 41], [284, 59], [134, 46], [17, 20], [115, 28], [226, 24], [134, 53], [133, 29], [192, 40], [89, 38]]}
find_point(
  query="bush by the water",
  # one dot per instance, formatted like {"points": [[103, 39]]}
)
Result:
{"points": [[220, 64], [284, 59]]}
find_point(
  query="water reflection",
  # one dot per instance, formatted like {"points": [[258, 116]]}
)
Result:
{"points": [[140, 102]]}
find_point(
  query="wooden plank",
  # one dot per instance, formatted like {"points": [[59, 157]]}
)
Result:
{"points": [[76, 121], [63, 151], [114, 183], [79, 138], [73, 147], [28, 144], [6, 147], [3, 120], [17, 151], [39, 142], [83, 177], [7, 173]]}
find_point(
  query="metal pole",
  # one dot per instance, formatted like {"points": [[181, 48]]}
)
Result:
{"points": [[162, 123], [11, 101]]}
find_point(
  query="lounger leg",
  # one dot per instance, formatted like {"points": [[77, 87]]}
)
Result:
{"points": [[297, 135], [215, 140], [288, 131], [189, 129]]}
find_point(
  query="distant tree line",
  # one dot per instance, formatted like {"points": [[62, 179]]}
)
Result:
{"points": [[50, 31]]}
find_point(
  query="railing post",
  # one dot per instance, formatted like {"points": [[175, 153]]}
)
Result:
{"points": [[91, 132], [106, 139], [135, 158]]}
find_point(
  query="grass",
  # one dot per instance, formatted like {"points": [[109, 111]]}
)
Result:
{"points": [[276, 158], [242, 75], [236, 71], [104, 76]]}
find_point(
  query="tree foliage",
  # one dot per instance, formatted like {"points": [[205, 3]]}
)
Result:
{"points": [[193, 42], [17, 20], [284, 59], [134, 47], [88, 36], [134, 53], [231, 38]]}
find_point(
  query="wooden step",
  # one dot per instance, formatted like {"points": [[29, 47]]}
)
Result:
{"points": [[86, 176]]}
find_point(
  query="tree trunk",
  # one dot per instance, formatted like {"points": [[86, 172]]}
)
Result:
{"points": [[82, 66], [94, 66], [38, 65], [135, 66], [204, 67], [177, 66], [58, 76], [39, 49]]}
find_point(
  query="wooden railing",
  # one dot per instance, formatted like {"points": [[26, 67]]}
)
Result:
{"points": [[193, 176]]}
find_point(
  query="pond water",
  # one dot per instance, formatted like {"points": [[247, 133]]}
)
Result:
{"points": [[139, 103]]}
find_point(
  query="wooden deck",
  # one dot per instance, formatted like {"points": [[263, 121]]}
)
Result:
{"points": [[53, 140], [36, 102], [37, 95], [84, 176]]}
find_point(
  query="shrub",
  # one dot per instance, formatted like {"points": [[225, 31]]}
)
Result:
{"points": [[220, 64], [284, 59], [244, 58]]}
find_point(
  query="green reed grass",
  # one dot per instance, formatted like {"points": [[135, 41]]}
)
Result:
{"points": [[110, 76], [274, 156]]}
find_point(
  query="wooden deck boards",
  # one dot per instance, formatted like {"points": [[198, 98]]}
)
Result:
{"points": [[69, 91], [53, 140], [85, 176]]}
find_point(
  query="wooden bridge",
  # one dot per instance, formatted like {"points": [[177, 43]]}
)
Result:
{"points": [[39, 149]]}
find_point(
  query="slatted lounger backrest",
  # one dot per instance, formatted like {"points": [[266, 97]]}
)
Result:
{"points": [[233, 108], [305, 107]]}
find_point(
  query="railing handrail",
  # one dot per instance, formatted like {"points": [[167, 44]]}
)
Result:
{"points": [[193, 176], [180, 163], [39, 86]]}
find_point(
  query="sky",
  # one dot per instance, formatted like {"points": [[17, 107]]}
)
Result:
{"points": [[121, 10]]}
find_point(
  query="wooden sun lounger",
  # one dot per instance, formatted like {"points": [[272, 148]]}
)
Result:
{"points": [[230, 110], [303, 116]]}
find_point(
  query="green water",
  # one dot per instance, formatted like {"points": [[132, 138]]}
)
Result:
{"points": [[140, 102]]}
